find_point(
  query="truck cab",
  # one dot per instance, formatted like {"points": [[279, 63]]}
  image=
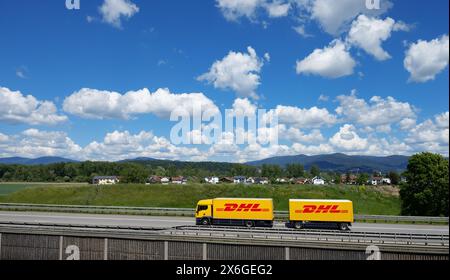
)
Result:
{"points": [[204, 212]]}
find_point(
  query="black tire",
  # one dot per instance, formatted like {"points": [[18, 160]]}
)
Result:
{"points": [[343, 227], [298, 225], [205, 222], [249, 224]]}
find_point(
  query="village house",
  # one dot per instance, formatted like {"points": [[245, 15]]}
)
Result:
{"points": [[262, 181], [250, 181], [378, 181], [153, 180], [165, 180], [239, 180], [351, 180], [300, 181], [318, 181], [212, 180], [282, 180], [105, 180], [179, 180], [227, 180]]}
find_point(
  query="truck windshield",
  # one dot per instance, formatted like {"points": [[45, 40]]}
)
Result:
{"points": [[202, 208]]}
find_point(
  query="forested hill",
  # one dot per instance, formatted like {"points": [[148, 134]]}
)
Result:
{"points": [[341, 162]]}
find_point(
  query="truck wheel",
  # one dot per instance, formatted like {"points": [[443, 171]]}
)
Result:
{"points": [[343, 226], [249, 224], [205, 222], [298, 225]]}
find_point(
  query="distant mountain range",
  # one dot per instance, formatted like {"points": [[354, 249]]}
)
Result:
{"points": [[341, 162], [37, 161], [333, 162]]}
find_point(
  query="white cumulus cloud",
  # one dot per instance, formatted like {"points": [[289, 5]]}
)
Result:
{"points": [[113, 11], [17, 108], [426, 59], [96, 104], [334, 16], [233, 10], [33, 143], [302, 118], [348, 140], [369, 34], [237, 71], [333, 61], [378, 112], [278, 8]]}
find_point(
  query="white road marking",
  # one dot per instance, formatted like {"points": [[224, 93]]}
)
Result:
{"points": [[91, 218]]}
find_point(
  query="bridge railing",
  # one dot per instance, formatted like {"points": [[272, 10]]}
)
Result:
{"points": [[189, 212]]}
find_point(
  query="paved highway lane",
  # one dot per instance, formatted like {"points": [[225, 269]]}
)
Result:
{"points": [[166, 222]]}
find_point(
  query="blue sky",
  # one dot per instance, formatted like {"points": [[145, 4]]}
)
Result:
{"points": [[351, 80]]}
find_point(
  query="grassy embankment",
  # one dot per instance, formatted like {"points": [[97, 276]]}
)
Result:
{"points": [[367, 200]]}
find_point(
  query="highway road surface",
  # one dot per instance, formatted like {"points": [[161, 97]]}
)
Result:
{"points": [[167, 222]]}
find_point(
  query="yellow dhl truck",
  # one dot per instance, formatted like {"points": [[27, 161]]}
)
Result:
{"points": [[249, 212], [320, 213]]}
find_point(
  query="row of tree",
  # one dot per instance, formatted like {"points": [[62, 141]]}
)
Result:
{"points": [[138, 172]]}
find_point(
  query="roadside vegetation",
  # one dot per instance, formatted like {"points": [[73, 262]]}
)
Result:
{"points": [[367, 200]]}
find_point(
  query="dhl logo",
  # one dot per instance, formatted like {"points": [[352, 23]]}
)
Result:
{"points": [[324, 209], [234, 207]]}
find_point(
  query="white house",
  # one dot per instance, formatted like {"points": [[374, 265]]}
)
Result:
{"points": [[212, 180], [105, 180], [240, 180], [165, 180], [318, 181], [386, 181], [250, 181], [282, 180], [262, 181]]}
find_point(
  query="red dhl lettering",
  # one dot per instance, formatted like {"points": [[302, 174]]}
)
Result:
{"points": [[321, 209], [234, 207]]}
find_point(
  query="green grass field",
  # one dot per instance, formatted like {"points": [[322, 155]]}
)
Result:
{"points": [[367, 200]]}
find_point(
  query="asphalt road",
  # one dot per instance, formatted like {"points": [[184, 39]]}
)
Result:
{"points": [[167, 222]]}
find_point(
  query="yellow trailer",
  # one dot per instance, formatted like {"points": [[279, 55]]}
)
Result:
{"points": [[303, 212], [249, 212]]}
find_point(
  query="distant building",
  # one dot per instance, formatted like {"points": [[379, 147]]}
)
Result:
{"points": [[282, 180], [165, 180], [105, 180], [300, 181], [349, 180], [227, 180], [179, 180], [154, 180], [318, 181], [250, 181], [378, 181], [212, 180], [262, 181], [386, 181], [239, 180]]}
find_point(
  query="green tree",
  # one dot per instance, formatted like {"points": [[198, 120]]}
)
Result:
{"points": [[395, 177], [337, 179], [315, 171], [133, 174], [295, 170], [271, 171], [427, 189], [362, 179]]}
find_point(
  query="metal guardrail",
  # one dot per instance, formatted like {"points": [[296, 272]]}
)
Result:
{"points": [[433, 240], [189, 212], [316, 235]]}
